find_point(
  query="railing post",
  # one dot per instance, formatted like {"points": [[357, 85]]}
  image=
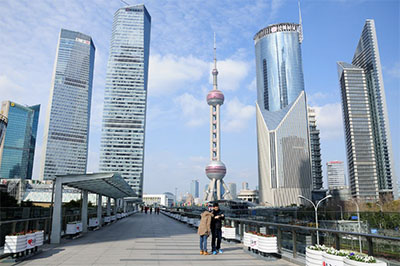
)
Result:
{"points": [[370, 246], [337, 241], [46, 231], [26, 226], [279, 239], [13, 227], [241, 230], [37, 224], [294, 239]]}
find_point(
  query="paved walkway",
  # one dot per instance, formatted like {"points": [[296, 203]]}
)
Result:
{"points": [[143, 240]]}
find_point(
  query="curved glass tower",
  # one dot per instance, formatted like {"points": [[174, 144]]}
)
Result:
{"points": [[282, 129]]}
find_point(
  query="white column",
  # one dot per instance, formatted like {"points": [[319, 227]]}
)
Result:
{"points": [[108, 206], [99, 210], [84, 211], [218, 189], [115, 207], [56, 221], [125, 205]]}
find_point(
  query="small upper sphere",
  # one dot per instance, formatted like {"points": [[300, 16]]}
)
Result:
{"points": [[215, 97]]}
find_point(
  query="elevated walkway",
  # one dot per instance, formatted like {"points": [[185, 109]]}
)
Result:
{"points": [[143, 239]]}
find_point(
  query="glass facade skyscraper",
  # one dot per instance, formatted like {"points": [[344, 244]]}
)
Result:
{"points": [[18, 148], [336, 177], [316, 166], [284, 160], [364, 104], [124, 114], [194, 188], [66, 133]]}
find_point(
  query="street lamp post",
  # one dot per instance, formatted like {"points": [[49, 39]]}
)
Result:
{"points": [[359, 225], [316, 211]]}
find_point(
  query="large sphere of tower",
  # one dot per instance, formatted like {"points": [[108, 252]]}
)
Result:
{"points": [[216, 170], [215, 97]]}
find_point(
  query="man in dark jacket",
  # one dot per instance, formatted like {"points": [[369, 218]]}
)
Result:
{"points": [[216, 229]]}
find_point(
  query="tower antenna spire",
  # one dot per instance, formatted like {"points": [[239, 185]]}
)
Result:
{"points": [[300, 24], [215, 52]]}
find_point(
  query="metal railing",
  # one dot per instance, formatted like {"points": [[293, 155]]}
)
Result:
{"points": [[295, 238]]}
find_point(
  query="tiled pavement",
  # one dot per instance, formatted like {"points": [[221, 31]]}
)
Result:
{"points": [[143, 239]]}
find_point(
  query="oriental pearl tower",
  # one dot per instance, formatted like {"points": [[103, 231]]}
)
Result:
{"points": [[216, 169]]}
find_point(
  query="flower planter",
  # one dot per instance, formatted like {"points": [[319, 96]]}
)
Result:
{"points": [[93, 222], [30, 240], [119, 216], [349, 262], [184, 219], [79, 227], [314, 257], [15, 244], [190, 221], [113, 218], [247, 239], [228, 233], [254, 242], [333, 260], [267, 244], [39, 238], [107, 219], [71, 229], [197, 223]]}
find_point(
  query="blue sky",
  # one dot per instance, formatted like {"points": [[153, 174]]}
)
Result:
{"points": [[177, 137]]}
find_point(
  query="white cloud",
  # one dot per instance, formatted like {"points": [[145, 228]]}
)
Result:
{"points": [[231, 74], [194, 110], [237, 115], [170, 73], [329, 120], [253, 85], [394, 71]]}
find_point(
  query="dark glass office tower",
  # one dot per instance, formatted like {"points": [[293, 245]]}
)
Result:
{"points": [[18, 149]]}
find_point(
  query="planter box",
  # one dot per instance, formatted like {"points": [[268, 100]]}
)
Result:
{"points": [[30, 240], [247, 239], [79, 227], [314, 257], [197, 223], [119, 216], [267, 244], [107, 219], [228, 233], [93, 222], [113, 218], [71, 229], [15, 244], [333, 260], [39, 236], [349, 262], [254, 242], [190, 221]]}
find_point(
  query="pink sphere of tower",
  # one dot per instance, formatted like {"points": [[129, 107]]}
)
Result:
{"points": [[216, 170], [215, 97]]}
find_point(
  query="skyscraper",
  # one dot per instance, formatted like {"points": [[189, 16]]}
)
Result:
{"points": [[368, 139], [3, 127], [316, 166], [18, 149], [125, 97], [194, 188], [233, 190], [336, 177], [66, 132], [284, 161]]}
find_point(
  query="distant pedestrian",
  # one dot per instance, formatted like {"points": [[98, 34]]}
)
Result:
{"points": [[158, 210], [145, 209], [204, 231], [151, 210], [216, 229]]}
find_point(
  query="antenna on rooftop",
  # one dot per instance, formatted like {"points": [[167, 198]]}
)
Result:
{"points": [[126, 3], [300, 24]]}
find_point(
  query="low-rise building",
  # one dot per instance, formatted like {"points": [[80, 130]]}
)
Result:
{"points": [[248, 195], [165, 199]]}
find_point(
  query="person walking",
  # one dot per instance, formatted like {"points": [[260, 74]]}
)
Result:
{"points": [[204, 231], [216, 229], [151, 209]]}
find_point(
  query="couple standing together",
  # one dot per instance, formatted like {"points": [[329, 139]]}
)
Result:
{"points": [[211, 222]]}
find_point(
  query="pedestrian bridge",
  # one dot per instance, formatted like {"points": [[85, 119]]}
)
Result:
{"points": [[143, 239]]}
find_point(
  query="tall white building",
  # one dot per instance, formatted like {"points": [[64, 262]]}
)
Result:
{"points": [[368, 139], [125, 97], [66, 132], [336, 176], [233, 190]]}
